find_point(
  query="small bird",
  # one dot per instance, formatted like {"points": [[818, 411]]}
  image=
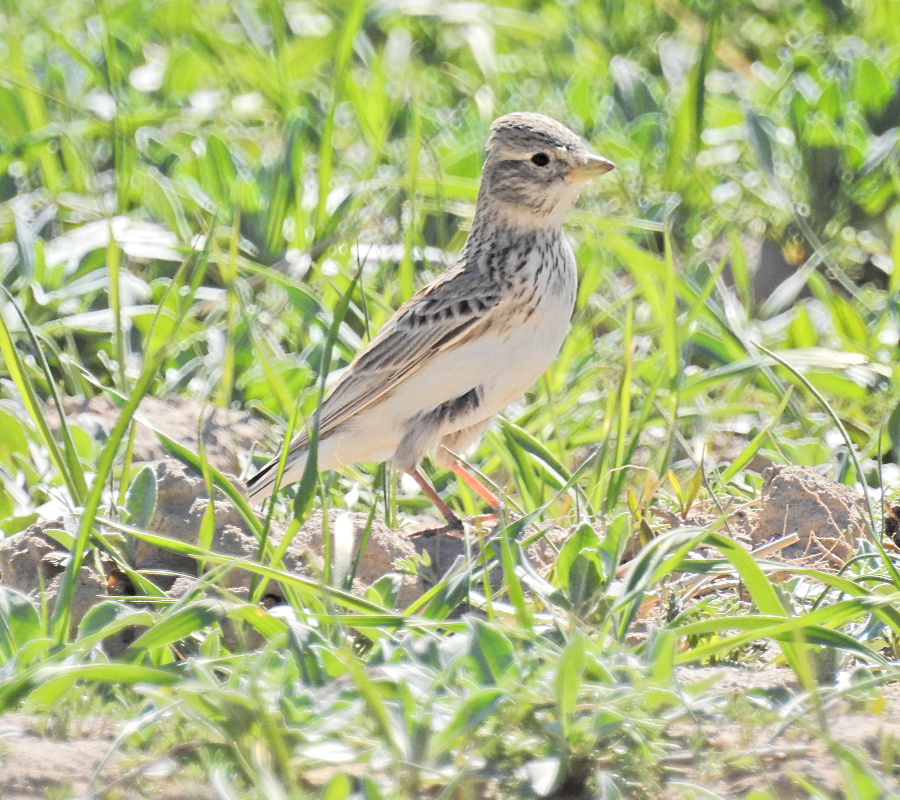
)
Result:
{"points": [[475, 339]]}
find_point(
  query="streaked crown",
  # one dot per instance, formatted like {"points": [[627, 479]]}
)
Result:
{"points": [[534, 169]]}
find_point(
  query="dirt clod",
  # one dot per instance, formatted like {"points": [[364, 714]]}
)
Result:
{"points": [[827, 516], [383, 548], [33, 563], [22, 555], [181, 503], [225, 432]]}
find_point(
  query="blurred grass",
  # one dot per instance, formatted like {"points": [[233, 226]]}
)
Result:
{"points": [[280, 149]]}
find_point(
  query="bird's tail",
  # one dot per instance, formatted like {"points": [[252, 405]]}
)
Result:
{"points": [[262, 484]]}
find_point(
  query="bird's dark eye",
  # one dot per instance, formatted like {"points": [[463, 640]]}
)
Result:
{"points": [[540, 159]]}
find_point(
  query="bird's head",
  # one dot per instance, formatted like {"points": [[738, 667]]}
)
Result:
{"points": [[534, 170]]}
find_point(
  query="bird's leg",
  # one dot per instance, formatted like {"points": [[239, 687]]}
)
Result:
{"points": [[445, 457], [475, 485], [452, 520]]}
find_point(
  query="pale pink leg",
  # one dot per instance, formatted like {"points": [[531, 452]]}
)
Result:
{"points": [[475, 485], [435, 498]]}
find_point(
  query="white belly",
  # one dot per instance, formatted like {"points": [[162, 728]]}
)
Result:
{"points": [[504, 362]]}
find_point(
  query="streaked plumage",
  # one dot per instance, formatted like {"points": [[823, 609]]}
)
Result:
{"points": [[475, 339]]}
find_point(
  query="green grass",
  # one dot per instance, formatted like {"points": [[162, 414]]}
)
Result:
{"points": [[188, 190]]}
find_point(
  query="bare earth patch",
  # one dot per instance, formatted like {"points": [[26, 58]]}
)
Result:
{"points": [[37, 766], [732, 755], [225, 432]]}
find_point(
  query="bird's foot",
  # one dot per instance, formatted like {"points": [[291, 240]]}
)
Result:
{"points": [[453, 522]]}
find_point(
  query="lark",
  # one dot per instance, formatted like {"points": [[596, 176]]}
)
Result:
{"points": [[474, 340]]}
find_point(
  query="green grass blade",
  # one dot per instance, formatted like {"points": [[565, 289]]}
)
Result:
{"points": [[747, 454], [66, 460]]}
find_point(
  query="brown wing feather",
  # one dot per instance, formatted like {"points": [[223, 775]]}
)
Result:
{"points": [[433, 320]]}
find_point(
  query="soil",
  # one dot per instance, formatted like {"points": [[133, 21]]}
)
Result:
{"points": [[737, 758], [84, 763], [225, 432], [716, 752]]}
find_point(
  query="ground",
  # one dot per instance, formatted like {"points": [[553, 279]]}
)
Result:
{"points": [[721, 753], [734, 745]]}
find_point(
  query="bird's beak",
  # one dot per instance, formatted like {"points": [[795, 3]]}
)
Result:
{"points": [[590, 167]]}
